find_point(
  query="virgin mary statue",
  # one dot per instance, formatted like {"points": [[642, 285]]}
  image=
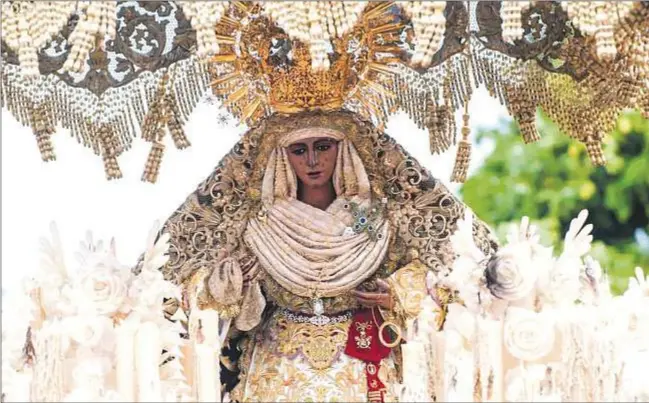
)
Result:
{"points": [[312, 233], [313, 237]]}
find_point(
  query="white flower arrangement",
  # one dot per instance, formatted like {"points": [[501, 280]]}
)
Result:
{"points": [[83, 331], [527, 326], [530, 326]]}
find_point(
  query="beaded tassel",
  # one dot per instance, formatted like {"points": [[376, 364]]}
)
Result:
{"points": [[528, 131], [644, 107], [152, 167], [111, 167], [174, 122], [43, 131], [109, 154], [178, 134], [153, 120], [437, 121], [523, 111], [463, 156], [431, 125], [595, 152]]}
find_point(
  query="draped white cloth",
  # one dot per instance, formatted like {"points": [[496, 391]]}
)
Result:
{"points": [[312, 252]]}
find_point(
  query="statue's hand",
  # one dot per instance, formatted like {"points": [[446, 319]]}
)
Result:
{"points": [[382, 298]]}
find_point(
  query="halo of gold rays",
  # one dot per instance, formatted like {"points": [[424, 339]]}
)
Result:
{"points": [[260, 70]]}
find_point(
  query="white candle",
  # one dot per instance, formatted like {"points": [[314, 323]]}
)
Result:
{"points": [[125, 366], [147, 362], [207, 357], [439, 346], [415, 372], [20, 387], [495, 336], [188, 363], [208, 390]]}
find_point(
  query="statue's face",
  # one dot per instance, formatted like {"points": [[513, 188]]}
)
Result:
{"points": [[313, 160]]}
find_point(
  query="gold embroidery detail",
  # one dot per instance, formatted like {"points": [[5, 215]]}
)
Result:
{"points": [[408, 286], [363, 341], [318, 344]]}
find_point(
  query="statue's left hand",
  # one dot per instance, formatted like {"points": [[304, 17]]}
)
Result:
{"points": [[382, 298]]}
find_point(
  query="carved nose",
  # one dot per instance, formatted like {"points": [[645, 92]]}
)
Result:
{"points": [[313, 159]]}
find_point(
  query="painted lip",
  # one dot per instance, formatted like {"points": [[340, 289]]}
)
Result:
{"points": [[314, 175]]}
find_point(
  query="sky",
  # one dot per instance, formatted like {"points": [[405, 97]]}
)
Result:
{"points": [[73, 192]]}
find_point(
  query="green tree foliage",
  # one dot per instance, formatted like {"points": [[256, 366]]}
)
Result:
{"points": [[552, 180]]}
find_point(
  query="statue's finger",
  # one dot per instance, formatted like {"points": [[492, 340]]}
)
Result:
{"points": [[369, 295], [383, 285]]}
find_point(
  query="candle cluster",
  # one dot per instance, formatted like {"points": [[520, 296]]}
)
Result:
{"points": [[528, 326], [520, 326], [97, 331]]}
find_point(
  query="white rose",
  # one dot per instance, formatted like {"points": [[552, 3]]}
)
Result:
{"points": [[102, 288], [510, 276], [528, 335]]}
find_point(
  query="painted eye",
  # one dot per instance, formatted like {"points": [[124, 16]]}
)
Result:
{"points": [[298, 151], [362, 220]]}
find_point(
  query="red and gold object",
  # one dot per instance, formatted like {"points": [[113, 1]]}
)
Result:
{"points": [[364, 343]]}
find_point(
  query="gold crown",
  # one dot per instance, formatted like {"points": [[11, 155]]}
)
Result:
{"points": [[260, 70], [298, 87]]}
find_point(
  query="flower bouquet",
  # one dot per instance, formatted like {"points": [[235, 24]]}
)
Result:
{"points": [[525, 325], [95, 331]]}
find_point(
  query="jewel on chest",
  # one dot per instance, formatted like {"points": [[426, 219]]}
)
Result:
{"points": [[366, 220]]}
